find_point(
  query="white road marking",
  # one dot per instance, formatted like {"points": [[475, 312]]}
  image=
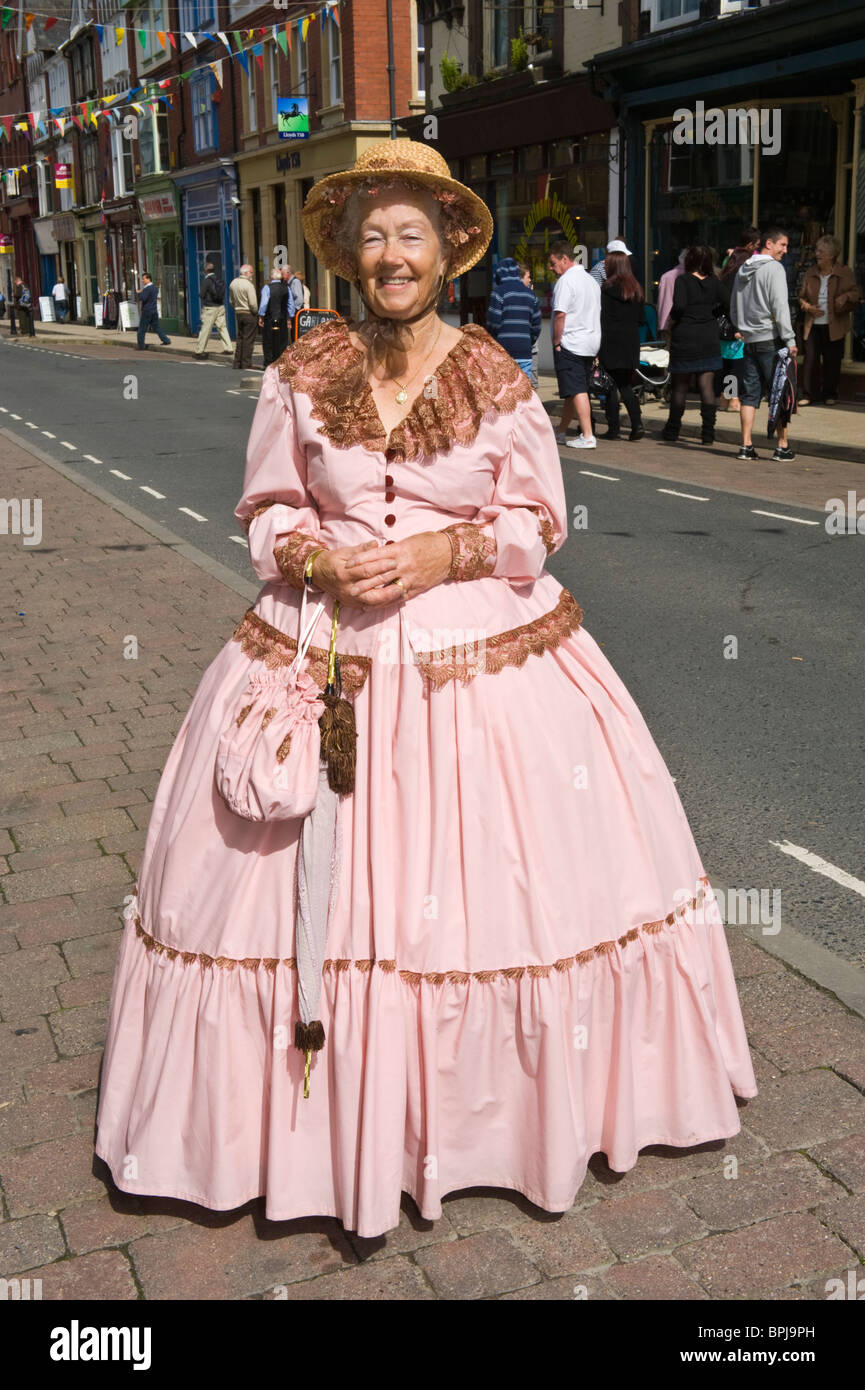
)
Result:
{"points": [[692, 496], [125, 476], [779, 517], [14, 416], [30, 425], [3, 408], [49, 435], [606, 477], [820, 866], [196, 515], [153, 492], [239, 539], [91, 459], [67, 445]]}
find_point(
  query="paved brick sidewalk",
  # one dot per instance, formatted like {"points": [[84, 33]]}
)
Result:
{"points": [[83, 736]]}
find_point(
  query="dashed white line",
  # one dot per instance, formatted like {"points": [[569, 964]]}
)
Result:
{"points": [[3, 408], [692, 496], [239, 539], [67, 445], [197, 515], [820, 866], [606, 477], [91, 458], [780, 517], [152, 491], [30, 425], [14, 416], [125, 476], [49, 435]]}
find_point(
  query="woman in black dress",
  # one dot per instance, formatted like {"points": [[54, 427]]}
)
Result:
{"points": [[695, 344], [622, 314]]}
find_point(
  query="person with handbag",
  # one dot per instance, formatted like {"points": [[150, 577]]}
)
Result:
{"points": [[732, 369], [329, 995], [622, 315], [695, 344]]}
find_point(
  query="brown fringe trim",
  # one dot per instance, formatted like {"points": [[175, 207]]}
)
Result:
{"points": [[263, 642], [414, 977], [512, 648]]}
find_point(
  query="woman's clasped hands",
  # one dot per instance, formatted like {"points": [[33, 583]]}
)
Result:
{"points": [[371, 575]]}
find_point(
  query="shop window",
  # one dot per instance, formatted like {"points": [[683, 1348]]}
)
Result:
{"points": [[668, 12], [502, 165], [476, 168], [735, 164], [531, 158]]}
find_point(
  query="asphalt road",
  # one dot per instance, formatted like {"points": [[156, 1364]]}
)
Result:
{"points": [[767, 747]]}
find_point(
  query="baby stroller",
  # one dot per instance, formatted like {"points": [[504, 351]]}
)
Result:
{"points": [[652, 377]]}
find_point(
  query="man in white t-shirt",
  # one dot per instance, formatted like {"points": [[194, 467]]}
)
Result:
{"points": [[61, 299], [576, 325]]}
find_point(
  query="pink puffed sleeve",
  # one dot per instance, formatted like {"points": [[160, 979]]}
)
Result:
{"points": [[280, 517], [525, 520]]}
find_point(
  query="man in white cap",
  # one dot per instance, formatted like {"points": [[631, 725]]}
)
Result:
{"points": [[597, 272]]}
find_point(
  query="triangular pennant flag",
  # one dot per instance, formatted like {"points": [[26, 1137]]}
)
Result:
{"points": [[304, 27], [238, 39], [119, 34], [261, 31], [172, 40], [244, 62], [334, 14], [282, 40], [216, 69], [190, 38], [28, 20], [100, 29], [6, 16], [206, 34], [7, 125], [77, 121], [166, 82], [223, 39], [250, 34], [160, 34], [258, 52], [142, 37], [34, 118], [136, 106], [288, 34], [49, 23]]}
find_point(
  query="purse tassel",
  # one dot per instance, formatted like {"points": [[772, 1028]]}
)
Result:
{"points": [[337, 725]]}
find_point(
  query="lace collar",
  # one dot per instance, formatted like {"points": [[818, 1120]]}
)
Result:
{"points": [[476, 376]]}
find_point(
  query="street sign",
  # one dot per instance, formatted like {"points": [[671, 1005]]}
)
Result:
{"points": [[307, 319]]}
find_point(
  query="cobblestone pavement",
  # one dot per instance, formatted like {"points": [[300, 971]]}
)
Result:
{"points": [[83, 737]]}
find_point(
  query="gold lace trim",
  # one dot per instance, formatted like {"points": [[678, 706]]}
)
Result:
{"points": [[264, 506], [488, 655], [548, 535], [263, 642], [293, 554], [415, 977], [473, 551], [476, 376]]}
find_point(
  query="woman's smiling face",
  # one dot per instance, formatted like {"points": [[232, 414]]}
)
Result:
{"points": [[399, 254]]}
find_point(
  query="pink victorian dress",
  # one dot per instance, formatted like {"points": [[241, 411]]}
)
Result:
{"points": [[525, 963]]}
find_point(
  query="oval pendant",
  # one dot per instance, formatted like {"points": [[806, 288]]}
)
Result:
{"points": [[401, 396]]}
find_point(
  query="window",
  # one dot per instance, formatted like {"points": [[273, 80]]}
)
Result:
{"points": [[252, 94], [501, 50], [203, 114], [65, 196], [121, 162], [89, 155], [302, 70], [421, 60], [333, 63], [45, 187], [153, 140], [668, 12], [274, 81]]}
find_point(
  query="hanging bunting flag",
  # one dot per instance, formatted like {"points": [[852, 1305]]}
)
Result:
{"points": [[6, 16], [263, 31], [250, 34], [334, 14], [244, 62], [49, 23], [60, 122], [282, 39], [223, 39], [100, 29], [304, 30], [172, 40], [258, 53], [142, 37], [160, 34], [191, 38], [288, 35], [238, 39], [6, 122], [34, 118], [137, 107], [206, 34], [77, 121], [119, 34], [166, 82], [28, 20]]}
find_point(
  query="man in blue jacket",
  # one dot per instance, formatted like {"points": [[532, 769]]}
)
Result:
{"points": [[514, 314], [148, 312]]}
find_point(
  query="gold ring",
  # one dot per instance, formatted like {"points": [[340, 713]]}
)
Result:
{"points": [[401, 585]]}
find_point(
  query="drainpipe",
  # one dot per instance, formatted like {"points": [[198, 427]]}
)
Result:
{"points": [[391, 70]]}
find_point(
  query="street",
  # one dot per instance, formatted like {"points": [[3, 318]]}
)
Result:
{"points": [[766, 746]]}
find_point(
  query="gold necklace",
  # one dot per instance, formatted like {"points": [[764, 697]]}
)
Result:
{"points": [[402, 394]]}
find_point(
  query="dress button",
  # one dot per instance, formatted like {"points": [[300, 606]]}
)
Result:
{"points": [[389, 519], [388, 542], [388, 480], [389, 496]]}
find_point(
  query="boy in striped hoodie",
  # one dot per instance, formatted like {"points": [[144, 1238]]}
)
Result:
{"points": [[514, 314]]}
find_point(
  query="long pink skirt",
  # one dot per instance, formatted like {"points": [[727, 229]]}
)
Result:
{"points": [[525, 966]]}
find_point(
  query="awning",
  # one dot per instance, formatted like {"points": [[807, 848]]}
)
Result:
{"points": [[65, 227], [45, 239]]}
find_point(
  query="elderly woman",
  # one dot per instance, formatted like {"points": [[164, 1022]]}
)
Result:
{"points": [[524, 961], [829, 292]]}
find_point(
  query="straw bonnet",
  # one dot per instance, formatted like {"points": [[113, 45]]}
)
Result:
{"points": [[466, 219]]}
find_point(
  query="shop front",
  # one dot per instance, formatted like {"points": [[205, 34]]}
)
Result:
{"points": [[209, 228], [163, 251], [65, 229], [714, 146], [93, 274], [124, 245]]}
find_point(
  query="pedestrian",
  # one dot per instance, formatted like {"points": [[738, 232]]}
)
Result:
{"points": [[760, 309], [598, 271], [695, 342], [212, 295], [60, 295], [530, 285], [406, 1019], [276, 303], [732, 349], [514, 314], [244, 302], [296, 288], [576, 331], [666, 285], [148, 312], [24, 307], [622, 316], [829, 292], [305, 287]]}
